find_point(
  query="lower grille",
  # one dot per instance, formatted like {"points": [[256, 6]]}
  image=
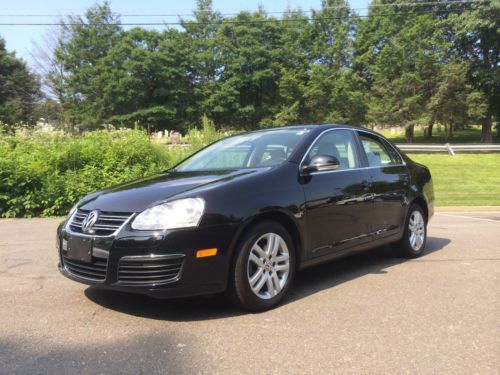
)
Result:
{"points": [[93, 271], [150, 270]]}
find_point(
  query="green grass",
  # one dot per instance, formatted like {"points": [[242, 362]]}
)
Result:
{"points": [[464, 179], [470, 135]]}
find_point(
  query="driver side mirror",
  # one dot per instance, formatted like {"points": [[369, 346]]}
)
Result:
{"points": [[321, 163]]}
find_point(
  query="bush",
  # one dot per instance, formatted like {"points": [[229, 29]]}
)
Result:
{"points": [[44, 174], [199, 138]]}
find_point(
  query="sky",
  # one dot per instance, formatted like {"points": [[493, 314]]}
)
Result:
{"points": [[21, 38]]}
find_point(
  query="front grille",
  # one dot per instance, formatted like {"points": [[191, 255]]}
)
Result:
{"points": [[150, 270], [106, 224], [92, 271]]}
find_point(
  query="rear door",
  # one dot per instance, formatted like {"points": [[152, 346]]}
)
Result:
{"points": [[338, 206], [389, 183]]}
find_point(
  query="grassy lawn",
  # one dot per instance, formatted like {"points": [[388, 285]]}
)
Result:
{"points": [[464, 179], [470, 135]]}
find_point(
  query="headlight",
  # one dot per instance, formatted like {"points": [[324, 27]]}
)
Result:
{"points": [[182, 213]]}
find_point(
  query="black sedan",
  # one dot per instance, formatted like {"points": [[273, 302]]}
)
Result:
{"points": [[244, 214]]}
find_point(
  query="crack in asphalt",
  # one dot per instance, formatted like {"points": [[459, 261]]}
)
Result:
{"points": [[19, 264], [95, 313]]}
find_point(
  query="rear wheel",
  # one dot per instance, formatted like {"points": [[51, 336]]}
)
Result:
{"points": [[264, 267], [412, 244]]}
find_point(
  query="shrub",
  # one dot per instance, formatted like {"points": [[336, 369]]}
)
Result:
{"points": [[44, 174], [199, 138]]}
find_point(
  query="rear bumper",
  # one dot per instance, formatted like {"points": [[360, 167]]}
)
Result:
{"points": [[132, 261]]}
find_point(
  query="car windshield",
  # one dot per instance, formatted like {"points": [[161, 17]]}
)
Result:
{"points": [[250, 150]]}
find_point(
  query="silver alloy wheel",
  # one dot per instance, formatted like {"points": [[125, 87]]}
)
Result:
{"points": [[268, 266], [417, 230]]}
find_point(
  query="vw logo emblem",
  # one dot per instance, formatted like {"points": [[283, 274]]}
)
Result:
{"points": [[89, 221]]}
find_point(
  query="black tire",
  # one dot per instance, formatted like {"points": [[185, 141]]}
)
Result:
{"points": [[239, 289], [403, 247]]}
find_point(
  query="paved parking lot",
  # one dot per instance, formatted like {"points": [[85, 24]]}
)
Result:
{"points": [[367, 314]]}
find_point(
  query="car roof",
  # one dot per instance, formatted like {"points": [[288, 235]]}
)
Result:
{"points": [[317, 127]]}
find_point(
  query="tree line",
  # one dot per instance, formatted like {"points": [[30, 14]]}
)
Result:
{"points": [[403, 64]]}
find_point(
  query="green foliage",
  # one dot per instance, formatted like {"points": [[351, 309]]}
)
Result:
{"points": [[84, 43], [455, 102], [49, 110], [207, 135], [400, 55], [246, 90], [405, 64], [19, 88], [143, 78], [44, 174], [475, 35]]}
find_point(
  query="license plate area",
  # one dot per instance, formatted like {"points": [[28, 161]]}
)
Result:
{"points": [[80, 248]]}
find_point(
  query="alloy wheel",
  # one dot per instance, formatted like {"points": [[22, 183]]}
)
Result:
{"points": [[416, 228], [268, 266]]}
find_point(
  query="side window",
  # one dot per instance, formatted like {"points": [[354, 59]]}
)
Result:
{"points": [[377, 153], [338, 143]]}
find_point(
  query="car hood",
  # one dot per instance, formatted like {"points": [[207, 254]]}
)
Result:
{"points": [[138, 195]]}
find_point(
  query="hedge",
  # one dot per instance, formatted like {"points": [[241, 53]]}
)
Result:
{"points": [[44, 174]]}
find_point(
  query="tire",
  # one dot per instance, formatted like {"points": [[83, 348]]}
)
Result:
{"points": [[259, 279], [412, 244]]}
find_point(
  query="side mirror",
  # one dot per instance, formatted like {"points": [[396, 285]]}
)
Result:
{"points": [[321, 163]]}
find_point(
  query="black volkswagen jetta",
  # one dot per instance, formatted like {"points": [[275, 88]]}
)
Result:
{"points": [[245, 213]]}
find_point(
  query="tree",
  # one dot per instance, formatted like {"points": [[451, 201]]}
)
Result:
{"points": [[398, 58], [19, 89], [84, 42], [293, 70], [47, 65], [405, 64], [475, 34], [199, 38], [455, 101], [333, 93], [49, 110], [246, 92], [51, 72], [144, 81]]}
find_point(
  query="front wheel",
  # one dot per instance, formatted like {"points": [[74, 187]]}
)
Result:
{"points": [[264, 267], [412, 244]]}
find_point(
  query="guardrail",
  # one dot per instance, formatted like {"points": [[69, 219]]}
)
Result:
{"points": [[451, 149]]}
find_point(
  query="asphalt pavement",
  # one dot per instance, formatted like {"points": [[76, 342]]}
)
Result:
{"points": [[371, 313]]}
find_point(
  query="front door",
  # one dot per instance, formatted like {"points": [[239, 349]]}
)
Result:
{"points": [[338, 203]]}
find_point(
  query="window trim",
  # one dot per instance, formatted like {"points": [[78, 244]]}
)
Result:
{"points": [[387, 142], [359, 150]]}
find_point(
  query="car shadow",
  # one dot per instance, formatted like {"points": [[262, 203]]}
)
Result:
{"points": [[307, 282], [329, 275]]}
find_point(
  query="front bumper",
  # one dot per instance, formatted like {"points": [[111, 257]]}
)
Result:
{"points": [[158, 264]]}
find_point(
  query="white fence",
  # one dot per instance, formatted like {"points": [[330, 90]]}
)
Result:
{"points": [[451, 149]]}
